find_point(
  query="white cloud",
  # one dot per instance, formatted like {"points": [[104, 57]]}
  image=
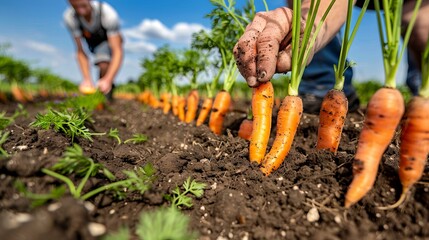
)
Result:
{"points": [[40, 47], [140, 37], [140, 47]]}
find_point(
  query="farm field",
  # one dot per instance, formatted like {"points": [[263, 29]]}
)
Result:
{"points": [[303, 199]]}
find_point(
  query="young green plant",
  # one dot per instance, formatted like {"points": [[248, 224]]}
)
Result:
{"points": [[39, 199], [334, 108], [3, 139], [114, 133], [179, 198], [71, 123], [386, 107], [74, 162], [137, 138], [291, 107]]}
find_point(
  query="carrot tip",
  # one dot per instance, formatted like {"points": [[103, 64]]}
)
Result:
{"points": [[398, 203]]}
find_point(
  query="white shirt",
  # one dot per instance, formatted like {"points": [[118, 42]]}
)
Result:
{"points": [[109, 20]]}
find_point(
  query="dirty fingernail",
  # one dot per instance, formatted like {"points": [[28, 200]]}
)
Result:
{"points": [[251, 81], [262, 75]]}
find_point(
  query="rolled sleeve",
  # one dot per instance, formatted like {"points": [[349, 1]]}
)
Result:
{"points": [[110, 20], [72, 23]]}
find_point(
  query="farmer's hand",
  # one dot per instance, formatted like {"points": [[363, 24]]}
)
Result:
{"points": [[105, 85], [86, 86], [265, 47]]}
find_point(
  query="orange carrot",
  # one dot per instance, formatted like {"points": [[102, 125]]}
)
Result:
{"points": [[245, 130], [262, 107], [288, 120], [332, 115], [166, 103], [181, 108], [192, 106], [383, 114], [175, 105], [143, 97], [17, 93], [414, 147], [220, 107], [205, 110]]}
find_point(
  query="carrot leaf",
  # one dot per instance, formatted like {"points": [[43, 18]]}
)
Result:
{"points": [[390, 36]]}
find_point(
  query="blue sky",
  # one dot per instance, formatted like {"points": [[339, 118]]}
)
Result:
{"points": [[38, 35]]}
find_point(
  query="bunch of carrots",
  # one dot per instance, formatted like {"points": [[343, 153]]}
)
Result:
{"points": [[385, 109], [291, 107]]}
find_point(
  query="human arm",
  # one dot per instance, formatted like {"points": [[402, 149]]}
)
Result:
{"points": [[265, 46], [83, 63], [420, 32], [105, 82], [110, 21]]}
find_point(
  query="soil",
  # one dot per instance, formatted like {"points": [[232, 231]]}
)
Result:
{"points": [[239, 201]]}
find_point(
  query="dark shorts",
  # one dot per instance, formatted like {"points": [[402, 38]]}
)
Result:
{"points": [[102, 53]]}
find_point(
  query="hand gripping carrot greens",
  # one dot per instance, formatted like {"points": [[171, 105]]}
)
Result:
{"points": [[291, 107], [414, 146], [334, 107], [386, 107]]}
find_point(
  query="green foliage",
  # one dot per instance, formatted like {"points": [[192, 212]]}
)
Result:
{"points": [[179, 199], [161, 224], [88, 102], [39, 199], [165, 223], [52, 82], [160, 71], [71, 123], [74, 162], [6, 121], [14, 70], [137, 138], [365, 90], [122, 234], [193, 62], [130, 87], [114, 133], [3, 139]]}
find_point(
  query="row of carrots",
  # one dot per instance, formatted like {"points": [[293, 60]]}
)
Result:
{"points": [[384, 113], [186, 109]]}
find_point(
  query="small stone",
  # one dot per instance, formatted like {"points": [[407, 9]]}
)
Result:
{"points": [[89, 206], [337, 219], [313, 215], [96, 229], [54, 206], [22, 147]]}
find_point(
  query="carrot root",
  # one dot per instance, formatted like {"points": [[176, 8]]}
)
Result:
{"points": [[384, 112], [205, 110], [220, 107], [288, 120], [192, 106], [262, 107], [246, 129], [399, 202], [332, 116]]}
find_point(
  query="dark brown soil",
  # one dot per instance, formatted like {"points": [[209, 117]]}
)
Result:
{"points": [[238, 203]]}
